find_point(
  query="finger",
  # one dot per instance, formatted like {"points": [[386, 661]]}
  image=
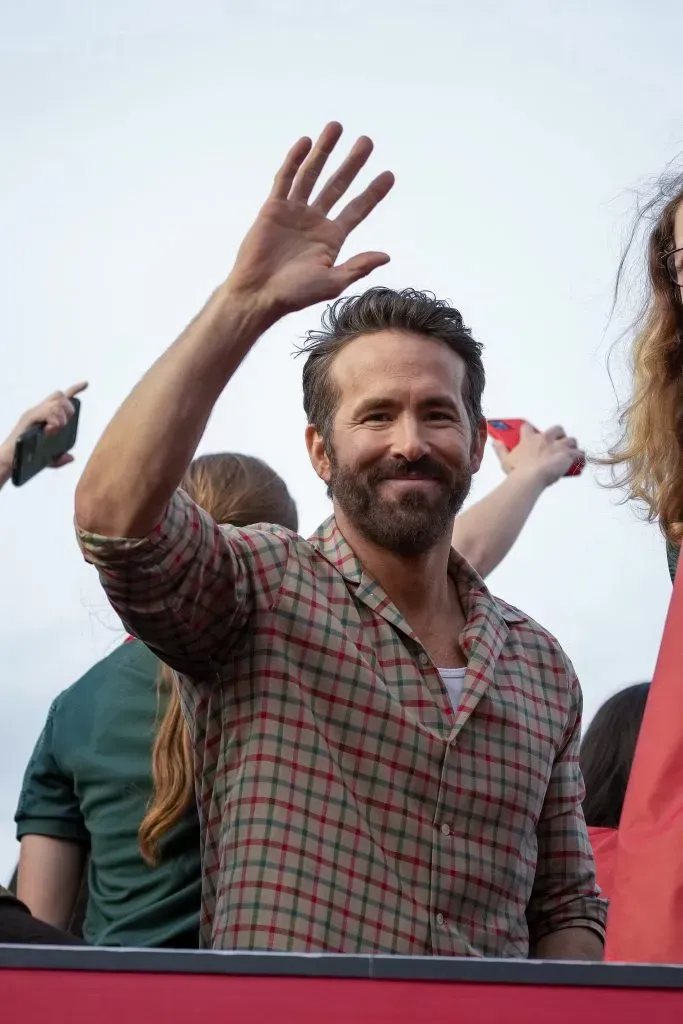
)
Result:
{"points": [[339, 183], [307, 176], [60, 412], [359, 266], [526, 430], [571, 442], [555, 433], [76, 389], [54, 424], [293, 161], [63, 460], [358, 209], [500, 450]]}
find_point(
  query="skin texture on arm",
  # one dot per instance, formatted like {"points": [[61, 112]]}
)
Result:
{"points": [[55, 412], [570, 944], [486, 532], [50, 872], [285, 263]]}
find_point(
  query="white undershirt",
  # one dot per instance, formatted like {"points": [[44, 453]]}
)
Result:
{"points": [[453, 679]]}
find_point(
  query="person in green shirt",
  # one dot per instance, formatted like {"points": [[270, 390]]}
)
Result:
{"points": [[109, 787], [649, 452]]}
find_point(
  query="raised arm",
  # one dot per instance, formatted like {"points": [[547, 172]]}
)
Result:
{"points": [[485, 533], [286, 262], [177, 581]]}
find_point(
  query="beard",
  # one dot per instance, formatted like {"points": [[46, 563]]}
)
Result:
{"points": [[412, 523]]}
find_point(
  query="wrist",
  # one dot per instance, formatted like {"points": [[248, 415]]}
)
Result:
{"points": [[532, 479], [6, 459], [252, 307]]}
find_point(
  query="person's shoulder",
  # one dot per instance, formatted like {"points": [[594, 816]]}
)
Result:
{"points": [[529, 631], [129, 658], [268, 539]]}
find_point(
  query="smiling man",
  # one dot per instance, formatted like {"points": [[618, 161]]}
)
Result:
{"points": [[386, 756]]}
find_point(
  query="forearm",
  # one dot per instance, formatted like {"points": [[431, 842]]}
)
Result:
{"points": [[485, 533], [144, 452], [570, 944], [49, 878], [6, 455]]}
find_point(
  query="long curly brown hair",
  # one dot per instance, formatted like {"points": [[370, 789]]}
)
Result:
{"points": [[239, 490], [648, 457]]}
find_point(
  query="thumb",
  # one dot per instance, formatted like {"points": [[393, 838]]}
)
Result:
{"points": [[500, 450], [359, 266]]}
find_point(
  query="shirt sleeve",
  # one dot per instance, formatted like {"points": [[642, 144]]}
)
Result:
{"points": [[565, 893], [189, 589], [48, 804]]}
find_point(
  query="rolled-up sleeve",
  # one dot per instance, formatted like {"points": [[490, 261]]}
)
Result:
{"points": [[48, 803], [565, 893], [189, 588]]}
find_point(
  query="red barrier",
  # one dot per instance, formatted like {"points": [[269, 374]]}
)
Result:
{"points": [[110, 987]]}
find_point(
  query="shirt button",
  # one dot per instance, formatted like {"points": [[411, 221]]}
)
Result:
{"points": [[423, 658], [440, 919], [445, 830]]}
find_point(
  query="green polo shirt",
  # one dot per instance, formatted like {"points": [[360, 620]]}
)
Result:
{"points": [[89, 781]]}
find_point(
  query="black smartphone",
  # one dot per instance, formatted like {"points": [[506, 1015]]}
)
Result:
{"points": [[35, 450]]}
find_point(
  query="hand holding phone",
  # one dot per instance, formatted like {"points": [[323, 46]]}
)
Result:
{"points": [[45, 435], [550, 452]]}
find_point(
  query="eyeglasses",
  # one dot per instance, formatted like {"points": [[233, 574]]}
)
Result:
{"points": [[674, 266]]}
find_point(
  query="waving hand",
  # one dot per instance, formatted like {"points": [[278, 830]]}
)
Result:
{"points": [[289, 257]]}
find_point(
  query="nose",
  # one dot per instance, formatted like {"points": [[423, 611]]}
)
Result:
{"points": [[408, 441]]}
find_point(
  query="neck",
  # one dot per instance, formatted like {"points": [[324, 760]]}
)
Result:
{"points": [[418, 586]]}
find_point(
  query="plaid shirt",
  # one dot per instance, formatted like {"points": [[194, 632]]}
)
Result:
{"points": [[344, 806]]}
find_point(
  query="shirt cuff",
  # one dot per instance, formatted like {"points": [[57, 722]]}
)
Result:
{"points": [[108, 551], [53, 828], [583, 912]]}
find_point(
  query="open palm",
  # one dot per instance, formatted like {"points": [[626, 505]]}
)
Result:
{"points": [[289, 255]]}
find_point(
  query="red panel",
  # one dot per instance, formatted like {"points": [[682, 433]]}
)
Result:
{"points": [[71, 997]]}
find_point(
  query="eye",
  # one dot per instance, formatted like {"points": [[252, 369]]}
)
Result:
{"points": [[377, 417], [441, 415]]}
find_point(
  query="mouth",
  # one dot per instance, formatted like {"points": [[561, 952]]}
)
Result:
{"points": [[411, 483]]}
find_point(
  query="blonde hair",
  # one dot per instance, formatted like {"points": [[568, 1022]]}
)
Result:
{"points": [[649, 452], [239, 490]]}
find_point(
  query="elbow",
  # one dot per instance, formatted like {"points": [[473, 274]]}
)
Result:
{"points": [[104, 510], [97, 510], [85, 507]]}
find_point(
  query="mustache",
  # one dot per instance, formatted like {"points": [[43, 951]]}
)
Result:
{"points": [[400, 469]]}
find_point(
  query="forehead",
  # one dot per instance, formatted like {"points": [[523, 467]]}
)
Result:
{"points": [[391, 363]]}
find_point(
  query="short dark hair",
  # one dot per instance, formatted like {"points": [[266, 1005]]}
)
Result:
{"points": [[607, 755], [380, 309]]}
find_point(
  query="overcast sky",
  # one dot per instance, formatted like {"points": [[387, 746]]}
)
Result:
{"points": [[138, 140]]}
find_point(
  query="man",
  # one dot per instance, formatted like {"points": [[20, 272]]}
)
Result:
{"points": [[349, 801], [55, 412]]}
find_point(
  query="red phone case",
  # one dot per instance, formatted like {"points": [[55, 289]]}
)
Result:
{"points": [[508, 433]]}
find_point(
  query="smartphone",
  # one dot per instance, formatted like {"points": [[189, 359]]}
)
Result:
{"points": [[35, 450], [508, 433]]}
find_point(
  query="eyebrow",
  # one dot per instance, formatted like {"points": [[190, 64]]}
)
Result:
{"points": [[387, 402]]}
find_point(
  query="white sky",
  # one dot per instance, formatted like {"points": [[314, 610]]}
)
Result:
{"points": [[137, 144]]}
